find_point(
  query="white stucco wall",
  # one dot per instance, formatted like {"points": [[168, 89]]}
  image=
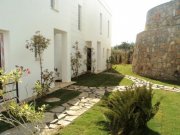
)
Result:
{"points": [[20, 19]]}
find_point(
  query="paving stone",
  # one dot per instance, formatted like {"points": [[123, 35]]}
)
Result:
{"points": [[75, 108], [73, 113], [58, 109], [84, 94], [84, 100], [52, 126], [53, 99], [61, 116], [73, 102], [95, 100], [100, 92], [63, 122], [48, 117], [92, 96], [54, 121], [70, 118], [65, 105]]}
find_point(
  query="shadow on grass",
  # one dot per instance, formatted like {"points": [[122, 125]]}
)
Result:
{"points": [[63, 94], [146, 131], [107, 78], [170, 82]]}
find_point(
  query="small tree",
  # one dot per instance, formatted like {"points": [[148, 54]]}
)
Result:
{"points": [[37, 44], [76, 60]]}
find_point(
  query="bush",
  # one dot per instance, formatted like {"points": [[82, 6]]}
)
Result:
{"points": [[129, 111]]}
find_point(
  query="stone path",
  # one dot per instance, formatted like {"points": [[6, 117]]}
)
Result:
{"points": [[142, 82], [69, 111]]}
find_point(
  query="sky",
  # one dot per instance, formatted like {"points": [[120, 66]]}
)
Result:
{"points": [[129, 18]]}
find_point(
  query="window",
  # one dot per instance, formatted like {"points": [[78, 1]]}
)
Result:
{"points": [[54, 4], [79, 17], [100, 23], [108, 28]]}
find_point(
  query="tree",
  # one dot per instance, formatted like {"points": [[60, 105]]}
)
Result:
{"points": [[37, 44]]}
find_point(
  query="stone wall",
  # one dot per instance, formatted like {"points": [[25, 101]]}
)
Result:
{"points": [[157, 50]]}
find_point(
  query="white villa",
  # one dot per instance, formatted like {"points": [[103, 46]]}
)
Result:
{"points": [[64, 22]]}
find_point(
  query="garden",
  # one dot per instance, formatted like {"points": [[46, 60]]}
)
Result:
{"points": [[165, 122], [164, 109], [116, 101]]}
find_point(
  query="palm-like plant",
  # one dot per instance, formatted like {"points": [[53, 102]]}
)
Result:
{"points": [[130, 110]]}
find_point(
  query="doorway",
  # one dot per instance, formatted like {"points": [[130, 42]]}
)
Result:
{"points": [[89, 59]]}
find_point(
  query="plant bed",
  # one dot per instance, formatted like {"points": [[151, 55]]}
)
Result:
{"points": [[63, 94]]}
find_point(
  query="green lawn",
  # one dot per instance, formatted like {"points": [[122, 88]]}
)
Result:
{"points": [[166, 121], [127, 70], [102, 79]]}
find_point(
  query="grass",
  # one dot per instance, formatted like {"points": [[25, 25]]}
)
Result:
{"points": [[127, 70], [63, 94], [88, 124], [166, 121], [102, 79]]}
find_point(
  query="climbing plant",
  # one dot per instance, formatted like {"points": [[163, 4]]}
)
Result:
{"points": [[76, 60]]}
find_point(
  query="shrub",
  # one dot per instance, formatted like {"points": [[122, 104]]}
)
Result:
{"points": [[129, 111]]}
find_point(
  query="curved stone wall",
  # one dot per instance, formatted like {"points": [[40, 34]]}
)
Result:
{"points": [[157, 50]]}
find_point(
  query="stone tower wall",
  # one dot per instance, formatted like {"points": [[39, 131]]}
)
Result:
{"points": [[157, 50]]}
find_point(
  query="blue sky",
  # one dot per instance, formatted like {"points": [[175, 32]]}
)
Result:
{"points": [[129, 17]]}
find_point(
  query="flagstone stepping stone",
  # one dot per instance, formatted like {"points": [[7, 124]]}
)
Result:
{"points": [[84, 100], [100, 92], [92, 96], [73, 113], [63, 122], [52, 126], [70, 118], [84, 94], [61, 116], [65, 105], [48, 117], [72, 102], [95, 100], [75, 108], [58, 109], [52, 99]]}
